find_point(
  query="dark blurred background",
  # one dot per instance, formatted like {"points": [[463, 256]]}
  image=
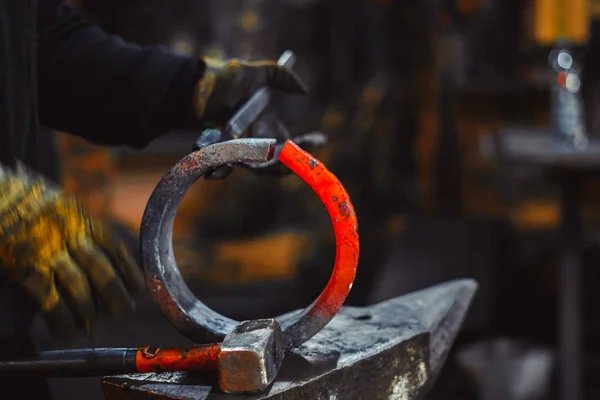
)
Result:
{"points": [[418, 99]]}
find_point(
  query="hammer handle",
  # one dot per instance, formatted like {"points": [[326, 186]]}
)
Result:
{"points": [[74, 363], [114, 361]]}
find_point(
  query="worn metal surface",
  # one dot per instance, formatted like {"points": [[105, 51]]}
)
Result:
{"points": [[251, 356], [392, 350], [163, 279], [165, 283]]}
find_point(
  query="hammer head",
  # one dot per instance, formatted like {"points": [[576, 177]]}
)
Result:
{"points": [[251, 356]]}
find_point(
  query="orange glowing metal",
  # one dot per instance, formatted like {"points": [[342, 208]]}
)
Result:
{"points": [[337, 202], [201, 358]]}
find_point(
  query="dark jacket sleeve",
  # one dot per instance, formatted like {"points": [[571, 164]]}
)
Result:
{"points": [[96, 86]]}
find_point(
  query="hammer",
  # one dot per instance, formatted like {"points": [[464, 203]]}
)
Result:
{"points": [[247, 361]]}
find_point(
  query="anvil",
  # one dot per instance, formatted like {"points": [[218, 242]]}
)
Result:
{"points": [[391, 350]]}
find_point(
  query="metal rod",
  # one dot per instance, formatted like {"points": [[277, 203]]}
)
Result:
{"points": [[74, 363], [570, 291]]}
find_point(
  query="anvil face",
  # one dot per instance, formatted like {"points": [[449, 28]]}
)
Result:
{"points": [[391, 350]]}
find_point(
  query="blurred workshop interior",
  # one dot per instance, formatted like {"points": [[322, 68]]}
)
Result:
{"points": [[465, 133]]}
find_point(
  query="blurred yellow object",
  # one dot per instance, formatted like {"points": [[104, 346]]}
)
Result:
{"points": [[555, 20], [48, 243], [468, 7], [89, 173], [274, 256], [258, 259], [531, 215], [183, 45], [594, 9], [395, 224], [248, 20], [133, 189], [332, 119]]}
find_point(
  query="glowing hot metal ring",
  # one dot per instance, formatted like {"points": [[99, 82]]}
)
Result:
{"points": [[165, 283]]}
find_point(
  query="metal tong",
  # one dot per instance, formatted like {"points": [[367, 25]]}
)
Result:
{"points": [[239, 123]]}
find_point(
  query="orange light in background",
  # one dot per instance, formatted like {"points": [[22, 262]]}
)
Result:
{"points": [[468, 7], [577, 21], [555, 20], [546, 21]]}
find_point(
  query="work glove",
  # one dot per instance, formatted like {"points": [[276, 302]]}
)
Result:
{"points": [[63, 258], [226, 85]]}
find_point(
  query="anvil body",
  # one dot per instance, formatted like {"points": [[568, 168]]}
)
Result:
{"points": [[391, 350]]}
